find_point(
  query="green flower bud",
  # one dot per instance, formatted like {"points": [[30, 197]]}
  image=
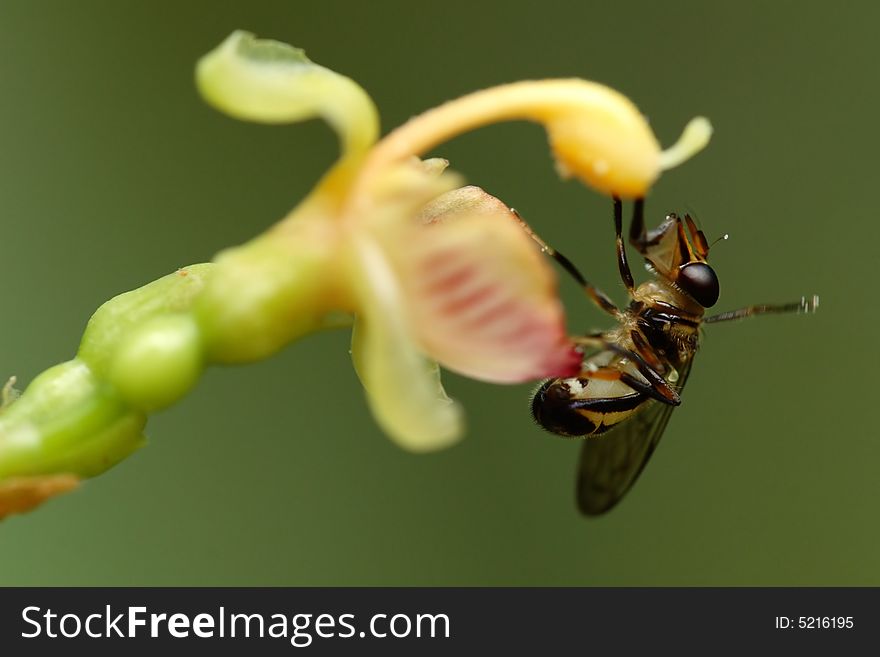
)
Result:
{"points": [[159, 362], [114, 320], [67, 420]]}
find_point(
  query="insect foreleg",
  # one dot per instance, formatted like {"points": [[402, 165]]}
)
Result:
{"points": [[622, 263], [637, 235], [595, 294]]}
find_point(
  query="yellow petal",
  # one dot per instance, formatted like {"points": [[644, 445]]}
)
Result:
{"points": [[596, 133], [403, 388], [695, 138], [271, 82], [481, 296]]}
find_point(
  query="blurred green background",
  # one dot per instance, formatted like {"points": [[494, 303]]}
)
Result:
{"points": [[113, 173]]}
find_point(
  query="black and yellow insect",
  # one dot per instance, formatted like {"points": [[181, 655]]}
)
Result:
{"points": [[633, 374]]}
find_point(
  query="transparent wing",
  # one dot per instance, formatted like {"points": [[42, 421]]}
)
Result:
{"points": [[611, 463]]}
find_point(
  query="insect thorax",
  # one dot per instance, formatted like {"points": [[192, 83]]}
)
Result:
{"points": [[668, 320]]}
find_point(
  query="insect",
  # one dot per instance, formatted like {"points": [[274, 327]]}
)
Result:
{"points": [[633, 374]]}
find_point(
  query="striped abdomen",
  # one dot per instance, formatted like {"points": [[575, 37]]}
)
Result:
{"points": [[584, 406]]}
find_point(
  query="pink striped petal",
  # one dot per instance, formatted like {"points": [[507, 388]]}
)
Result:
{"points": [[482, 298]]}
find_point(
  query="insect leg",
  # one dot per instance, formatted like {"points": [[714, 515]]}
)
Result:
{"points": [[614, 374], [803, 306], [637, 236], [622, 263], [656, 386], [645, 351], [598, 296]]}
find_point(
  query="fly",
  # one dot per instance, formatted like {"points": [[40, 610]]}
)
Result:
{"points": [[633, 374]]}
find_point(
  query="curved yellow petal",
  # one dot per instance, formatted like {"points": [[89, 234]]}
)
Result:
{"points": [[596, 134], [271, 82], [403, 388], [481, 297]]}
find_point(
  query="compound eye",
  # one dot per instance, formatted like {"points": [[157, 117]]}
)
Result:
{"points": [[699, 280]]}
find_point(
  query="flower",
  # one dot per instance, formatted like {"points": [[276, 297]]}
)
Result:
{"points": [[459, 282], [432, 271], [426, 270]]}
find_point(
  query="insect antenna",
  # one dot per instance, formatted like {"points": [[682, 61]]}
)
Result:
{"points": [[805, 305], [722, 238]]}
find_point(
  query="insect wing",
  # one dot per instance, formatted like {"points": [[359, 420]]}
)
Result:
{"points": [[610, 464]]}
